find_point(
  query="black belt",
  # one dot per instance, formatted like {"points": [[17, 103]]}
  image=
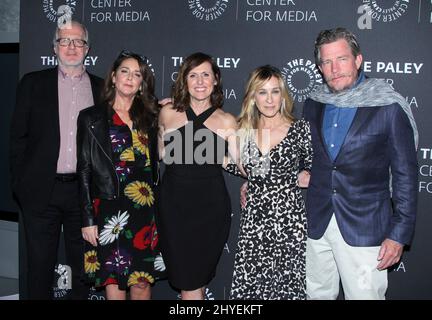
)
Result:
{"points": [[66, 177]]}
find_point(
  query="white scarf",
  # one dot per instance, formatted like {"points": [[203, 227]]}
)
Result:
{"points": [[368, 93]]}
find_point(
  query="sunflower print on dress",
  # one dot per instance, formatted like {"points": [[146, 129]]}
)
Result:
{"points": [[91, 263], [140, 193], [140, 277]]}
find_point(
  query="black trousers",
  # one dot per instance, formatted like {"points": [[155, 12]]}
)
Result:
{"points": [[42, 231]]}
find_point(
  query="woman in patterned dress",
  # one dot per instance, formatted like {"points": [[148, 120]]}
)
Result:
{"points": [[270, 255], [118, 171]]}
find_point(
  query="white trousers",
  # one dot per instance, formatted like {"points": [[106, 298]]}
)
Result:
{"points": [[330, 260]]}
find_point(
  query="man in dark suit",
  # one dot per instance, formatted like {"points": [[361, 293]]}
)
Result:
{"points": [[43, 160], [362, 198]]}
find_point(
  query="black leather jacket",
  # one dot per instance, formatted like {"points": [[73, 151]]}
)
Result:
{"points": [[95, 169]]}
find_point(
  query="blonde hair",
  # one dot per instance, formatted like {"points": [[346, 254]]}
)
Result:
{"points": [[249, 115]]}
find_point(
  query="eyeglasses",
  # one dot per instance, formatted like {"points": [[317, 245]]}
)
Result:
{"points": [[127, 53], [65, 42]]}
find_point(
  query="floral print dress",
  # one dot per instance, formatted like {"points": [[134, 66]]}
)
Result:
{"points": [[128, 252]]}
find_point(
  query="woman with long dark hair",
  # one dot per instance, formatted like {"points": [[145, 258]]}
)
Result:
{"points": [[118, 172]]}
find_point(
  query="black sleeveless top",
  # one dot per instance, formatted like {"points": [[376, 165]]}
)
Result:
{"points": [[194, 215], [193, 149]]}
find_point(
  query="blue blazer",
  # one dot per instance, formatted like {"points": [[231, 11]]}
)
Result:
{"points": [[355, 186]]}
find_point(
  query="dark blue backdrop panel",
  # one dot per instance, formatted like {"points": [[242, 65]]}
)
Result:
{"points": [[243, 34]]}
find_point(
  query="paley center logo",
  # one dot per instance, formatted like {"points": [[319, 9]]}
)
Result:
{"points": [[63, 281], [302, 77], [147, 61], [59, 11], [208, 10], [380, 11]]}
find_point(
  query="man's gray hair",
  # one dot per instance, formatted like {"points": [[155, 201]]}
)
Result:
{"points": [[332, 35], [69, 25]]}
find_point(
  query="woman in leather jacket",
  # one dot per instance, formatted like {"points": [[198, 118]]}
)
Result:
{"points": [[119, 174]]}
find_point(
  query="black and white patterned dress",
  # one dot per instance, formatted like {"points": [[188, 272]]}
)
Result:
{"points": [[270, 255]]}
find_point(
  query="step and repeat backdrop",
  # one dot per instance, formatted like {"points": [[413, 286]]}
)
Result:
{"points": [[396, 40]]}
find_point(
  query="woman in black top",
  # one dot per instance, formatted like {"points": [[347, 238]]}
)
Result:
{"points": [[195, 213]]}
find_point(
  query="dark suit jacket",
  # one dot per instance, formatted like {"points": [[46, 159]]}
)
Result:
{"points": [[35, 137], [355, 186]]}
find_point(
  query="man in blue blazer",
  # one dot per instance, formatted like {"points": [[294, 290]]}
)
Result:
{"points": [[362, 198]]}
